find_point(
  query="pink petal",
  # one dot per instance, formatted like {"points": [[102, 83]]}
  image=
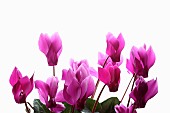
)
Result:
{"points": [[104, 75], [59, 97], [87, 87], [56, 43], [53, 85], [26, 84], [44, 43], [74, 90], [18, 93], [152, 89], [121, 42], [43, 90], [129, 66], [15, 76], [151, 57]]}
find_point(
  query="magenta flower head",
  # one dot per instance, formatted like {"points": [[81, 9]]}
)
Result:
{"points": [[22, 86], [47, 93], [51, 47], [78, 86], [123, 109], [143, 92], [110, 75], [141, 60], [114, 46]]}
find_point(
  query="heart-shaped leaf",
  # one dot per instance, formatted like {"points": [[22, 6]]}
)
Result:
{"points": [[109, 104], [40, 107], [68, 108], [90, 103]]}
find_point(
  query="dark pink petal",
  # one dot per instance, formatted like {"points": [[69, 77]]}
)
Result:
{"points": [[151, 57], [52, 57], [123, 109], [44, 43], [27, 84], [152, 89], [64, 74], [43, 90], [15, 76], [19, 95], [115, 78], [58, 108], [104, 75], [53, 85]]}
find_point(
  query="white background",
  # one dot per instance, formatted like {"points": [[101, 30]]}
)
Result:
{"points": [[82, 26]]}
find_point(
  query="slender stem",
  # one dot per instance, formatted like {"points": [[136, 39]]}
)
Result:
{"points": [[97, 83], [126, 89], [95, 104], [73, 108], [95, 88], [27, 109], [53, 70], [132, 88], [30, 105]]}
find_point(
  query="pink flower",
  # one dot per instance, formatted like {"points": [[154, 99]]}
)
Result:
{"points": [[143, 92], [123, 109], [78, 86], [141, 60], [110, 75], [22, 86], [51, 47], [47, 93], [114, 46]]}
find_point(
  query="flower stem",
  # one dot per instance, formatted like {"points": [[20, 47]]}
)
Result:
{"points": [[73, 108], [96, 102], [126, 89], [30, 105], [132, 88], [53, 70], [27, 109], [97, 83]]}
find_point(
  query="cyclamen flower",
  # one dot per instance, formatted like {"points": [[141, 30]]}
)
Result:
{"points": [[22, 86], [90, 70], [141, 60], [123, 109], [114, 46], [78, 86], [143, 92], [110, 75], [51, 47], [47, 93]]}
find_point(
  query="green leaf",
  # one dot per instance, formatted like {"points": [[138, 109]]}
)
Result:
{"points": [[108, 105], [89, 105], [40, 107], [68, 108]]}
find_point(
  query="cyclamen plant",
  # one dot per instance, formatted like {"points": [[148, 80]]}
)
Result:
{"points": [[80, 88]]}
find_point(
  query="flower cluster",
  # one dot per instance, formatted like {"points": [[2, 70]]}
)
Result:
{"points": [[79, 86]]}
